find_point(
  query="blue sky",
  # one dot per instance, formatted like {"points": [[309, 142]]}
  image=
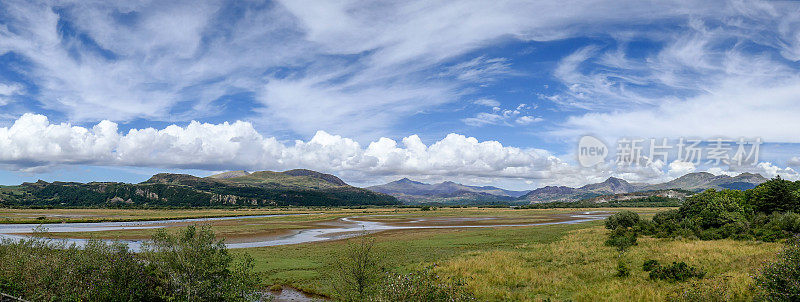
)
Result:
{"points": [[475, 91]]}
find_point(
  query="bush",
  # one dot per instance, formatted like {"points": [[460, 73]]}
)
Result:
{"points": [[649, 265], [780, 280], [38, 269], [192, 266], [677, 271], [622, 220], [358, 275], [622, 269], [622, 239]]}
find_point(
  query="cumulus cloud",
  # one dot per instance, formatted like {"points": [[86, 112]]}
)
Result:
{"points": [[33, 142]]}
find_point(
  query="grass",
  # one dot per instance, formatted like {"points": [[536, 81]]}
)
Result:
{"points": [[306, 266], [579, 267]]}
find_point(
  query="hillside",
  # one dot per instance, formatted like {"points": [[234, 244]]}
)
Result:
{"points": [[694, 182], [265, 188], [447, 192]]}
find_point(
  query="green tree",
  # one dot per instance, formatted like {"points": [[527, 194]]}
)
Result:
{"points": [[624, 219], [194, 266], [358, 274], [775, 195]]}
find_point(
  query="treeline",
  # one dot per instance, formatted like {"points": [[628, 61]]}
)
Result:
{"points": [[647, 202], [767, 212], [122, 195]]}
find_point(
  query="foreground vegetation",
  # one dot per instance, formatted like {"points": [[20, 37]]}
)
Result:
{"points": [[188, 266]]}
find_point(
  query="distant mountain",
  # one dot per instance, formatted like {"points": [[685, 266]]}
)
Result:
{"points": [[694, 182], [235, 188], [410, 191]]}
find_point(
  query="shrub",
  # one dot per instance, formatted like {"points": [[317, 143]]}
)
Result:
{"points": [[622, 269], [622, 239], [677, 271], [192, 266], [622, 220], [780, 280], [358, 275], [649, 265]]}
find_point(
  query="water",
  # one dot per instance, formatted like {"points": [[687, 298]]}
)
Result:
{"points": [[351, 227]]}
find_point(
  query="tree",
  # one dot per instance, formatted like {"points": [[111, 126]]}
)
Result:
{"points": [[624, 219], [775, 195], [358, 274], [193, 266]]}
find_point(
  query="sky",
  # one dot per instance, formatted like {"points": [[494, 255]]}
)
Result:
{"points": [[479, 92]]}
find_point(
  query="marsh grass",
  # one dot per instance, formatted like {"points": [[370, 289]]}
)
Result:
{"points": [[579, 267]]}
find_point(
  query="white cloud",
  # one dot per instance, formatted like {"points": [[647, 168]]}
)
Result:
{"points": [[680, 168], [486, 102], [9, 90], [527, 119], [499, 116], [32, 142], [173, 60]]}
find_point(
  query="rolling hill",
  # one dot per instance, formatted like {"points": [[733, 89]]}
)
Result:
{"points": [[237, 188]]}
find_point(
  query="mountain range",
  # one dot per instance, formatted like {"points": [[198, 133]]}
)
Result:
{"points": [[694, 182], [302, 187], [447, 192], [237, 188]]}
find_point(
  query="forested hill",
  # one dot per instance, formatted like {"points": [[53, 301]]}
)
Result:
{"points": [[265, 188]]}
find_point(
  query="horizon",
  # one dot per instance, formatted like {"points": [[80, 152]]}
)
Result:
{"points": [[471, 92], [431, 183]]}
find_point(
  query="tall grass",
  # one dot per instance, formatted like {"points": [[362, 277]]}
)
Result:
{"points": [[579, 267]]}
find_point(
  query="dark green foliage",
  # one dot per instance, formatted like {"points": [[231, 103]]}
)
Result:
{"points": [[780, 280], [763, 213], [622, 239], [42, 270], [649, 265], [677, 271], [623, 270], [192, 266], [775, 195], [623, 234], [422, 286], [624, 219], [185, 191]]}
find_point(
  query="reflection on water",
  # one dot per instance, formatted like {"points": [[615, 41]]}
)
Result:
{"points": [[351, 227]]}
